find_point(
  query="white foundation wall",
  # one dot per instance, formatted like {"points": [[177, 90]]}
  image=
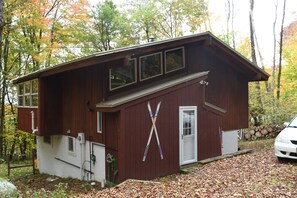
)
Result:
{"points": [[229, 142], [56, 159]]}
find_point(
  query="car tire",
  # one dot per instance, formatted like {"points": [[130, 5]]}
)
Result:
{"points": [[281, 159]]}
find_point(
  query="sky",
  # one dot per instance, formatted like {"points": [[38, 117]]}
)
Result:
{"points": [[264, 13]]}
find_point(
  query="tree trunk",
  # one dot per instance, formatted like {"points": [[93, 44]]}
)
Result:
{"points": [[280, 53], [1, 76], [5, 71], [23, 148], [252, 30], [259, 108], [261, 60], [11, 152], [232, 26], [228, 10], [274, 51]]}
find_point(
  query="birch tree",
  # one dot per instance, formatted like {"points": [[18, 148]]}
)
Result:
{"points": [[257, 109], [280, 52]]}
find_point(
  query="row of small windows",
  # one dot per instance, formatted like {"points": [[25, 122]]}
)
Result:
{"points": [[28, 94], [150, 66]]}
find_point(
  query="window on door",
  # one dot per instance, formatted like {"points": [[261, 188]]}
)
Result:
{"points": [[188, 122]]}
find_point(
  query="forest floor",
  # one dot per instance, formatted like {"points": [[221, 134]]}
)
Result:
{"points": [[256, 174]]}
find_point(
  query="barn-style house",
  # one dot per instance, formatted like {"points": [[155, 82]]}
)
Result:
{"points": [[137, 112]]}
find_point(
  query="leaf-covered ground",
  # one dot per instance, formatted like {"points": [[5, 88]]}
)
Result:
{"points": [[257, 174]]}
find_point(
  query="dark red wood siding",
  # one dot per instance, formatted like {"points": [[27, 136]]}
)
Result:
{"points": [[110, 133], [52, 107], [137, 125], [69, 103], [227, 88], [25, 119], [209, 138]]}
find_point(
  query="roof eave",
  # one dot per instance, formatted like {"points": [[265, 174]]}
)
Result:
{"points": [[260, 73]]}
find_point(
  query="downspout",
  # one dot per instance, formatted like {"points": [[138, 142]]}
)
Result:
{"points": [[82, 161], [34, 130], [81, 139]]}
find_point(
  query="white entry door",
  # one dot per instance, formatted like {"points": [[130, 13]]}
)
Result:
{"points": [[188, 134]]}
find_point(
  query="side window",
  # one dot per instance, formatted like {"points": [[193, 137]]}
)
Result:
{"points": [[21, 95], [28, 94], [99, 122], [27, 91], [34, 93], [71, 144]]}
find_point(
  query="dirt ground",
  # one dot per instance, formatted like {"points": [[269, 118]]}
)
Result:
{"points": [[257, 174]]}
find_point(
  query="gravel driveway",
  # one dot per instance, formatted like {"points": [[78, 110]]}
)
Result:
{"points": [[256, 174]]}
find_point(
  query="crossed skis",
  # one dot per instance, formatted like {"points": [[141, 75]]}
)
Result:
{"points": [[153, 129]]}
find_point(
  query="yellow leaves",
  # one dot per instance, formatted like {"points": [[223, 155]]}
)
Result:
{"points": [[245, 47], [44, 24]]}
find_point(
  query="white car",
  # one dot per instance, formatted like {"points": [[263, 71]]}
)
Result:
{"points": [[285, 144]]}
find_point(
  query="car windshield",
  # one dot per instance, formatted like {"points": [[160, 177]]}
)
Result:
{"points": [[293, 123]]}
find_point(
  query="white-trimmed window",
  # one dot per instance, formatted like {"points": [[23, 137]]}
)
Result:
{"points": [[71, 145], [150, 66], [174, 59], [28, 94], [122, 76], [99, 122]]}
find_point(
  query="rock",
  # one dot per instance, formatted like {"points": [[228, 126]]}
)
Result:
{"points": [[7, 189], [269, 129], [258, 134], [264, 132], [247, 136]]}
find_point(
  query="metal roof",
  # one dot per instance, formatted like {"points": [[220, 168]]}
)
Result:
{"points": [[148, 91]]}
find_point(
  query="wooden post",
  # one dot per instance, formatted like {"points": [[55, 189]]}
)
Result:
{"points": [[33, 160], [8, 166], [33, 167]]}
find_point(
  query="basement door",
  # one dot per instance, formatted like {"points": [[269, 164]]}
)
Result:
{"points": [[188, 134]]}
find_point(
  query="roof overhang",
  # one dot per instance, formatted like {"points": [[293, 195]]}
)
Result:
{"points": [[127, 98], [239, 62]]}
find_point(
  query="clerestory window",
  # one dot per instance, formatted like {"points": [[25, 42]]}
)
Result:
{"points": [[122, 76], [150, 66], [174, 59]]}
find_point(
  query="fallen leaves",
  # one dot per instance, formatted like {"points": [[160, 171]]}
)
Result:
{"points": [[257, 174]]}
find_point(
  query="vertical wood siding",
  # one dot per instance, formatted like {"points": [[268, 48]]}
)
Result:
{"points": [[227, 88], [69, 103], [52, 106], [209, 143], [138, 125], [25, 119]]}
